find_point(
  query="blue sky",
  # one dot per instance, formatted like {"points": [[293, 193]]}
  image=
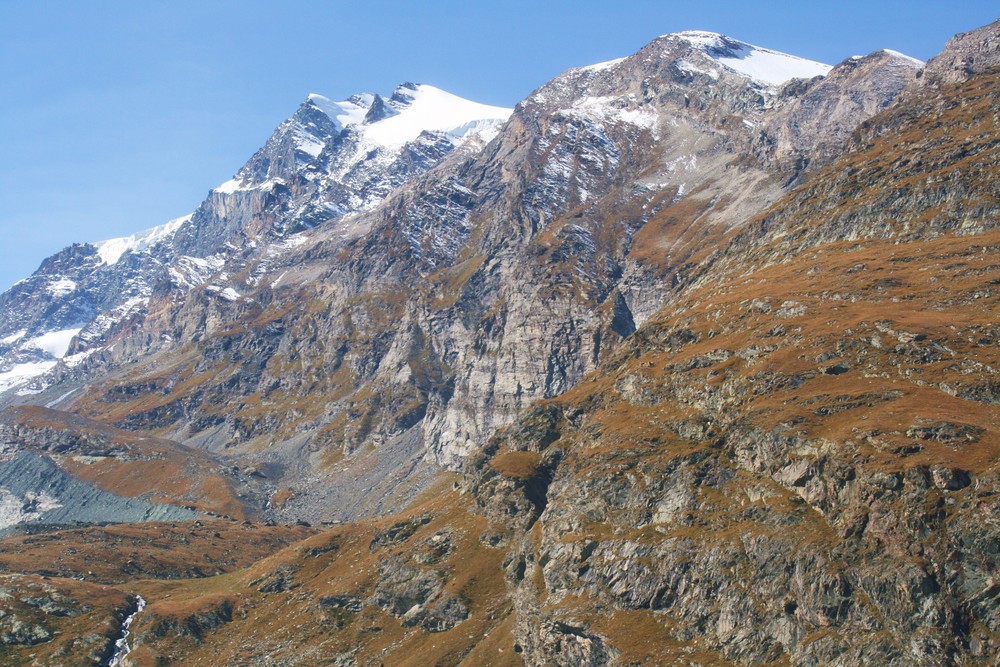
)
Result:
{"points": [[118, 116]]}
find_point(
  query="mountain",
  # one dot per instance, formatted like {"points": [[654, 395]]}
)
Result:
{"points": [[535, 255], [689, 357], [326, 161]]}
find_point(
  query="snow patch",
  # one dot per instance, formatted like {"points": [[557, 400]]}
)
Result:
{"points": [[52, 404], [60, 287], [21, 373], [233, 185], [690, 68], [55, 343], [766, 66], [430, 109], [13, 338], [897, 54], [104, 322], [616, 109], [190, 272], [278, 280], [309, 144], [421, 108], [227, 293], [111, 251], [229, 187], [293, 241], [74, 360], [600, 67], [349, 112]]}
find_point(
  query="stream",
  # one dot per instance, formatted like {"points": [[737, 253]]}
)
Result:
{"points": [[122, 648]]}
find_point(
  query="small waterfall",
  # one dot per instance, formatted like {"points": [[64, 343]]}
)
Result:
{"points": [[121, 646]]}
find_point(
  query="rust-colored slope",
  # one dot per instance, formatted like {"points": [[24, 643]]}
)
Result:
{"points": [[416, 589]]}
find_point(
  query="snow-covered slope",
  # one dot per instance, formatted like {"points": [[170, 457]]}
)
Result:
{"points": [[111, 251], [411, 110], [355, 151], [771, 68]]}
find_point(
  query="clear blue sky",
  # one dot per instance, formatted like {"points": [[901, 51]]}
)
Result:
{"points": [[117, 116]]}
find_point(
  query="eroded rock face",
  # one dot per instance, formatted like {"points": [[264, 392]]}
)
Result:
{"points": [[813, 120], [965, 54]]}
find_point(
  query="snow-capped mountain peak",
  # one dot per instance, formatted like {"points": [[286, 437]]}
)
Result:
{"points": [[409, 111], [902, 56], [351, 111], [766, 66]]}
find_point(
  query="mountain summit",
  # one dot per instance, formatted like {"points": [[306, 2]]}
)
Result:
{"points": [[411, 110], [328, 160], [765, 66]]}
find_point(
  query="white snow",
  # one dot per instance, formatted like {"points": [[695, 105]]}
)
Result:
{"points": [[430, 109], [278, 279], [21, 373], [769, 67], [235, 185], [227, 293], [348, 112], [897, 54], [772, 67], [60, 287], [104, 322], [74, 360], [112, 250], [308, 144], [615, 109], [426, 109], [55, 343], [696, 37], [293, 241], [189, 272], [229, 187], [13, 338], [599, 67], [691, 68], [52, 404]]}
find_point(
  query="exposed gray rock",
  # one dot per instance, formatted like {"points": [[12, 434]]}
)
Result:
{"points": [[33, 490], [965, 54]]}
